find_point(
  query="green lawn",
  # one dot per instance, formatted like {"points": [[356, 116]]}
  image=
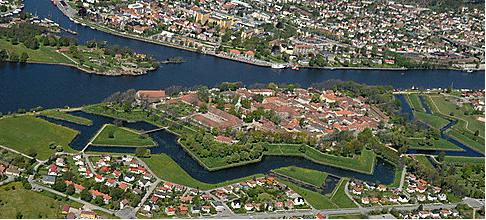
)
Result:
{"points": [[112, 135], [339, 196], [363, 163], [396, 177], [350, 216], [315, 199], [432, 120], [67, 117], [313, 177], [27, 203], [167, 169], [28, 132], [445, 106], [423, 160], [414, 102], [459, 160], [42, 55], [440, 144], [465, 138]]}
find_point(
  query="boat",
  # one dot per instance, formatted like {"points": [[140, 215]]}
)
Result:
{"points": [[295, 68], [469, 70], [278, 66]]}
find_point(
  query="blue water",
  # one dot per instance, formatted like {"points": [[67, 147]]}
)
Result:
{"points": [[31, 85], [167, 143]]}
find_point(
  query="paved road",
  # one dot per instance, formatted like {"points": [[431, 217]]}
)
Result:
{"points": [[8, 180]]}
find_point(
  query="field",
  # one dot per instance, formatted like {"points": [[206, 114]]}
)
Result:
{"points": [[423, 160], [339, 196], [112, 135], [445, 106], [41, 55], [28, 204], [315, 199], [458, 160], [28, 133], [363, 163], [432, 120], [440, 144], [167, 169], [313, 177], [67, 117], [415, 103]]}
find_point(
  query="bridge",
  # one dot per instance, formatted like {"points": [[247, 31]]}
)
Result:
{"points": [[154, 130]]}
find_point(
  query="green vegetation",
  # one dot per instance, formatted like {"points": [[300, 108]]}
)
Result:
{"points": [[67, 117], [315, 199], [396, 178], [414, 102], [464, 138], [339, 196], [44, 54], [34, 136], [18, 202], [459, 160], [313, 177], [432, 120], [363, 163], [424, 160], [433, 144], [112, 135], [350, 216], [167, 169]]}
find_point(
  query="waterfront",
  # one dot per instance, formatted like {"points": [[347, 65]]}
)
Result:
{"points": [[31, 85], [167, 143]]}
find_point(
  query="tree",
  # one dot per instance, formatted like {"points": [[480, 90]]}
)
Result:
{"points": [[141, 152], [70, 190], [441, 156], [85, 195], [24, 57]]}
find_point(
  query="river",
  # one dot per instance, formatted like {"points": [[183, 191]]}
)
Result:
{"points": [[31, 85]]}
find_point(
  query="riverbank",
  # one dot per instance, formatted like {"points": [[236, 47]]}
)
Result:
{"points": [[71, 14]]}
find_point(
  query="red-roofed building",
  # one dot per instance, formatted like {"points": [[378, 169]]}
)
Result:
{"points": [[151, 95]]}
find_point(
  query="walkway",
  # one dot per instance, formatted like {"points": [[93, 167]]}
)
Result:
{"points": [[402, 178], [17, 152], [93, 138], [154, 130]]}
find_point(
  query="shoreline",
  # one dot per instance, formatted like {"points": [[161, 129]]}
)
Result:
{"points": [[268, 65]]}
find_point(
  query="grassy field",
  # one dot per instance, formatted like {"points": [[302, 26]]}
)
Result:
{"points": [[339, 196], [445, 106], [350, 216], [41, 55], [415, 103], [458, 160], [432, 120], [466, 139], [313, 177], [29, 204], [423, 160], [440, 144], [363, 163], [396, 177], [121, 137], [167, 169], [23, 133], [67, 117], [315, 199]]}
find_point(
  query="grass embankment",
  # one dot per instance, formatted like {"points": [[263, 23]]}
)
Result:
{"points": [[432, 120], [338, 199], [363, 163], [167, 169], [18, 202], [66, 117], [424, 160], [42, 55], [459, 160], [313, 177], [339, 196], [112, 135], [414, 102], [349, 216], [396, 177], [446, 107], [468, 139], [28, 133], [433, 144]]}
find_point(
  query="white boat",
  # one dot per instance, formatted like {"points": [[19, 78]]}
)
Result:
{"points": [[278, 66], [469, 70]]}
